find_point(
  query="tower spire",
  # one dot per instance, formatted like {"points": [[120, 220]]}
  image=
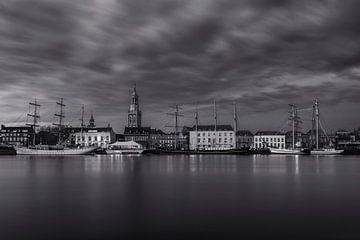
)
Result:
{"points": [[92, 121], [134, 113]]}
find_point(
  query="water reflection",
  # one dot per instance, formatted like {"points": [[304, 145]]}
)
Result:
{"points": [[173, 164], [153, 193]]}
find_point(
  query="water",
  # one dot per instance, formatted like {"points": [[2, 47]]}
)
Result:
{"points": [[179, 197]]}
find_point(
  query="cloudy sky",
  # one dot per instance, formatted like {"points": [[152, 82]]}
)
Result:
{"points": [[262, 54]]}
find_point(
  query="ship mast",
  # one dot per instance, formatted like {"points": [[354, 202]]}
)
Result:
{"points": [[235, 119], [196, 125], [35, 117], [176, 114], [215, 123], [61, 116], [317, 115], [82, 124]]}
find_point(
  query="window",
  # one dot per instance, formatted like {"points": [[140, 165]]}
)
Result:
{"points": [[89, 138], [219, 140]]}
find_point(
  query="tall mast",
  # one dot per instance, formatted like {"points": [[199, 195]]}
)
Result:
{"points": [[82, 124], [61, 116], [35, 117], [215, 123], [317, 123], [196, 119], [196, 125], [293, 123], [313, 134], [177, 114], [235, 118]]}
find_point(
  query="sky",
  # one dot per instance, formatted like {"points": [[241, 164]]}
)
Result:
{"points": [[261, 54]]}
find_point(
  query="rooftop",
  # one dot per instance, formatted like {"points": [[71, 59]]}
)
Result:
{"points": [[244, 133], [212, 128], [261, 133]]}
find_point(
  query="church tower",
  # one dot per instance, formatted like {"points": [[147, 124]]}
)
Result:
{"points": [[134, 113], [92, 122]]}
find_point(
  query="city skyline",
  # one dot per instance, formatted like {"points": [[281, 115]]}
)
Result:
{"points": [[263, 55]]}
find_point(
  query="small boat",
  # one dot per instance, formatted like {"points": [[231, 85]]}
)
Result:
{"points": [[326, 151], [129, 147], [286, 151]]}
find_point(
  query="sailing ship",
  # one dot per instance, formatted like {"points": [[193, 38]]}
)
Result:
{"points": [[58, 149], [293, 150], [317, 150]]}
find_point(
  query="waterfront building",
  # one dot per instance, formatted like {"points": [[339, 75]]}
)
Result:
{"points": [[134, 113], [16, 135], [347, 140], [211, 137], [162, 140], [264, 139], [90, 136], [138, 134], [244, 139]]}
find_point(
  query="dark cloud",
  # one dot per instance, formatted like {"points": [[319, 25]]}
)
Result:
{"points": [[263, 54]]}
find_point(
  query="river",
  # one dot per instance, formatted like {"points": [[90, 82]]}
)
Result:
{"points": [[179, 197]]}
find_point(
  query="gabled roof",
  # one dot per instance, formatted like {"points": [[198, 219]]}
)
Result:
{"points": [[212, 128]]}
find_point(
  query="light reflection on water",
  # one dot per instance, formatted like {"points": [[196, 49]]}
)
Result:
{"points": [[193, 164], [116, 196]]}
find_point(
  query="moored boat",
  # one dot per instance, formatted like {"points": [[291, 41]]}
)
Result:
{"points": [[326, 151], [295, 146], [286, 151], [53, 151], [317, 150], [129, 147], [58, 149]]}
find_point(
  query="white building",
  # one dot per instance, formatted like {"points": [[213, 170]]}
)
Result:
{"points": [[91, 135], [264, 139], [206, 137], [99, 137]]}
